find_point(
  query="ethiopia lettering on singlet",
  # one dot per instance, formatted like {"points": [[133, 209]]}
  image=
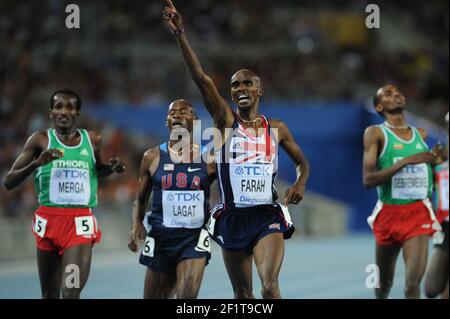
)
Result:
{"points": [[70, 182]]}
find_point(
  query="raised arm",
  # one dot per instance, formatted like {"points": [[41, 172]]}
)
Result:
{"points": [[32, 156], [373, 141], [149, 164], [285, 139], [216, 105]]}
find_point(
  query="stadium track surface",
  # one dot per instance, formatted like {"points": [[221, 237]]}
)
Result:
{"points": [[313, 268]]}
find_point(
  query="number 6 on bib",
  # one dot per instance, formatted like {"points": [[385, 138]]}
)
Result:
{"points": [[203, 244], [149, 247]]}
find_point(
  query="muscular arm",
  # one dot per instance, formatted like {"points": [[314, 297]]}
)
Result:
{"points": [[27, 161], [103, 169], [217, 107], [287, 142], [149, 164]]}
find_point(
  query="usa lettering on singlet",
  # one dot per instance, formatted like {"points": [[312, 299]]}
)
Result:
{"points": [[180, 194]]}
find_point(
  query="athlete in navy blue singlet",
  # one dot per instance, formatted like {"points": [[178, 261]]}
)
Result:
{"points": [[176, 245], [249, 224]]}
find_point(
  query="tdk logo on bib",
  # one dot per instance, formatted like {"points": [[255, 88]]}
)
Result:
{"points": [[414, 169], [254, 170], [67, 173], [183, 209], [183, 197]]}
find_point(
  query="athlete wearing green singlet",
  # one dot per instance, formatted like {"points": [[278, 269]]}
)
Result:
{"points": [[398, 162], [413, 182], [70, 181], [66, 164]]}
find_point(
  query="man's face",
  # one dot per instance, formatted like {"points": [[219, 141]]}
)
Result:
{"points": [[64, 113], [391, 100], [181, 116], [245, 89]]}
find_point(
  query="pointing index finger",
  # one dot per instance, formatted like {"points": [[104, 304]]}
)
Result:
{"points": [[169, 4]]}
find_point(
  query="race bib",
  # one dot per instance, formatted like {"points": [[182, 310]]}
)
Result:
{"points": [[438, 238], [70, 186], [40, 225], [203, 244], [149, 247], [411, 183], [183, 209], [251, 184], [84, 225], [443, 192]]}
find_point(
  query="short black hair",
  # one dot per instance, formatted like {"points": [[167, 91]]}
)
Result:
{"points": [[66, 92]]}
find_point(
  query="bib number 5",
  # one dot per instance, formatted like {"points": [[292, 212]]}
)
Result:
{"points": [[40, 226], [84, 225]]}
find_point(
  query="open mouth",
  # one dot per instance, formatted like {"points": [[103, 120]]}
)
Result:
{"points": [[177, 124], [243, 98]]}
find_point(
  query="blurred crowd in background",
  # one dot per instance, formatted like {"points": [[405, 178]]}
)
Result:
{"points": [[122, 56]]}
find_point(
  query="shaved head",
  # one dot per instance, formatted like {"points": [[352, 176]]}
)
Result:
{"points": [[389, 99], [246, 73], [380, 91], [181, 103]]}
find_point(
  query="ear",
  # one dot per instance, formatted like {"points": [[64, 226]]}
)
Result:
{"points": [[260, 91], [379, 108], [50, 114]]}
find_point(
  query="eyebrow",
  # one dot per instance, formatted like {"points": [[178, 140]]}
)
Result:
{"points": [[181, 109], [244, 81]]}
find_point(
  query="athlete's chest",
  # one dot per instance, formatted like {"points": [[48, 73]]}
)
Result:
{"points": [[251, 146], [181, 176]]}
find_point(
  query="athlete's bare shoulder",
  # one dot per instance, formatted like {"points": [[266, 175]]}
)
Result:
{"points": [[373, 134], [38, 140], [150, 160], [422, 132], [276, 123], [151, 153], [96, 139], [282, 131], [373, 131]]}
